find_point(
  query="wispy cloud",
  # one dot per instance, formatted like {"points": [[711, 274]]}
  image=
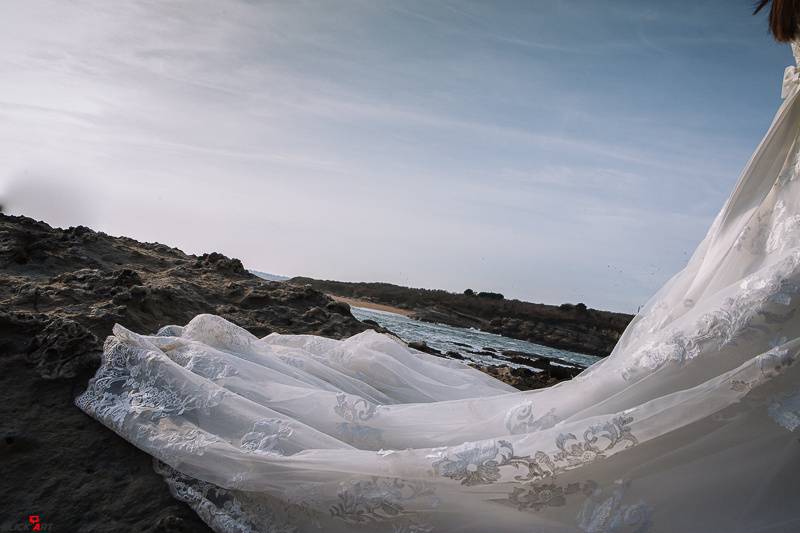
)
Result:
{"points": [[551, 150]]}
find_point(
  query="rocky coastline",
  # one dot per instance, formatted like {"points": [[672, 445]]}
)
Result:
{"points": [[61, 291], [572, 327]]}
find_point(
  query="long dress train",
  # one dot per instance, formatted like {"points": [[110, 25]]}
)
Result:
{"points": [[689, 425]]}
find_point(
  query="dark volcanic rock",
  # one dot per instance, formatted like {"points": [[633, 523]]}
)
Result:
{"points": [[559, 372], [520, 378], [380, 329], [423, 347], [61, 291], [445, 316], [63, 347], [517, 353]]}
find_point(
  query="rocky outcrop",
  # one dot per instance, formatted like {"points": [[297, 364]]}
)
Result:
{"points": [[520, 378], [589, 337], [422, 346], [61, 291]]}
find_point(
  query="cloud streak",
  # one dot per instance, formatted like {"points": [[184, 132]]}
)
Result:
{"points": [[551, 151]]}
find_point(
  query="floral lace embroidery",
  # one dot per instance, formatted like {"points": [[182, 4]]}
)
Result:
{"points": [[602, 513], [783, 233], [772, 229], [175, 442], [536, 497], [218, 333], [354, 411], [739, 385], [170, 331], [361, 502], [378, 499], [132, 381], [521, 419], [734, 320], [774, 362], [268, 436], [785, 410], [480, 463], [291, 360], [202, 364], [791, 169], [222, 509]]}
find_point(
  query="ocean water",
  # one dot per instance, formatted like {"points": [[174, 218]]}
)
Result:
{"points": [[467, 341]]}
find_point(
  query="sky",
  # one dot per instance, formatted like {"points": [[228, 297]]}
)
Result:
{"points": [[554, 151]]}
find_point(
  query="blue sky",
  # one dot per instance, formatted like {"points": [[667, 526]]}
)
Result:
{"points": [[555, 151]]}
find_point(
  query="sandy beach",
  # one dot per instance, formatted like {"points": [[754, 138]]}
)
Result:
{"points": [[370, 305]]}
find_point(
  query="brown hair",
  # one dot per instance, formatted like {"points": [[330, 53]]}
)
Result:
{"points": [[784, 18]]}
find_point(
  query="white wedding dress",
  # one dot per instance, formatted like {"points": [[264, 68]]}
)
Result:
{"points": [[688, 426]]}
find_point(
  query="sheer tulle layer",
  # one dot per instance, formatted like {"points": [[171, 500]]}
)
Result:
{"points": [[689, 425], [247, 418]]}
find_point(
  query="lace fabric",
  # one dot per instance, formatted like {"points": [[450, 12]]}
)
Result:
{"points": [[691, 424]]}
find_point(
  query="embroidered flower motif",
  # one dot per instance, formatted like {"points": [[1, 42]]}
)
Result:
{"points": [[477, 463], [355, 410], [132, 381], [203, 364], [378, 500], [783, 232], [576, 453], [608, 514], [268, 436], [291, 360], [741, 386], [170, 331], [521, 419], [223, 509], [762, 301], [174, 442], [785, 410], [615, 432], [536, 497], [480, 463]]}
